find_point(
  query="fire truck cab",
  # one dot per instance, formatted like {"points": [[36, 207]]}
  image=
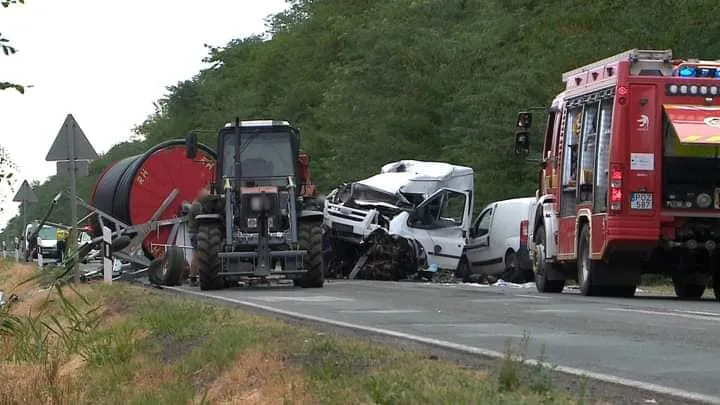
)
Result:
{"points": [[630, 176]]}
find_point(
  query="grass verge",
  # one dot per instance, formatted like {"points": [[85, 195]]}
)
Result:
{"points": [[122, 344]]}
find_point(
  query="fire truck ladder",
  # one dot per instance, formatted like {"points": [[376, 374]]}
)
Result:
{"points": [[641, 60]]}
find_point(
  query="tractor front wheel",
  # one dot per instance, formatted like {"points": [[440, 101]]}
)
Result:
{"points": [[310, 238], [209, 242]]}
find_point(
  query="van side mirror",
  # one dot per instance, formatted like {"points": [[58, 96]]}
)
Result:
{"points": [[522, 143], [524, 120], [191, 145]]}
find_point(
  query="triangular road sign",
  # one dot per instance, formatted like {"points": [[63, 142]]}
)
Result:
{"points": [[25, 194], [60, 149]]}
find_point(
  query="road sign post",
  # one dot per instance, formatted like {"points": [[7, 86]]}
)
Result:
{"points": [[39, 253], [107, 255], [72, 150], [24, 196]]}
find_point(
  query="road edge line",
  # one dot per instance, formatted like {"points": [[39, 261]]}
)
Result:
{"points": [[641, 385]]}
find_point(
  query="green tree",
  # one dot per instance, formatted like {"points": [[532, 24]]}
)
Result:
{"points": [[9, 50], [371, 81]]}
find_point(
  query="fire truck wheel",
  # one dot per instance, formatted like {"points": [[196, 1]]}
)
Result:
{"points": [[310, 238], [685, 289], [542, 284], [586, 266], [209, 241], [716, 286]]}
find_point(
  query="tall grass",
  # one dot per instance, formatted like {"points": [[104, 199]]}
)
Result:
{"points": [[45, 340]]}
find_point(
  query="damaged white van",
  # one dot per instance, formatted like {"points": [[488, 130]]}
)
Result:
{"points": [[411, 215]]}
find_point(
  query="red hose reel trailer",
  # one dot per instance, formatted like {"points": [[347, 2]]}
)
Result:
{"points": [[132, 189]]}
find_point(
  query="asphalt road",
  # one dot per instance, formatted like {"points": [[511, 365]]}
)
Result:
{"points": [[658, 340]]}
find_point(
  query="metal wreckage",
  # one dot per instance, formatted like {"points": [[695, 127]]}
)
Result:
{"points": [[410, 219]]}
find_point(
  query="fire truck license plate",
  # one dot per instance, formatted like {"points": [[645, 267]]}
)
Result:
{"points": [[641, 201]]}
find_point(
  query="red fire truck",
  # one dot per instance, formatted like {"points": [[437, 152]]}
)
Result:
{"points": [[630, 176]]}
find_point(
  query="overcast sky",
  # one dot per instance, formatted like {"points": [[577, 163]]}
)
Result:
{"points": [[105, 62]]}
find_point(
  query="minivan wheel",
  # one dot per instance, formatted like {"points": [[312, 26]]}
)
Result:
{"points": [[511, 267]]}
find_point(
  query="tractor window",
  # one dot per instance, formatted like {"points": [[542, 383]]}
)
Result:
{"points": [[266, 158], [228, 168]]}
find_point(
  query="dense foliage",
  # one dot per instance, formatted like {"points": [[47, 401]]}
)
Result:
{"points": [[8, 49], [371, 81]]}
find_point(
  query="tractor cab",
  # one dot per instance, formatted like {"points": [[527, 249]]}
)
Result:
{"points": [[257, 153], [254, 224]]}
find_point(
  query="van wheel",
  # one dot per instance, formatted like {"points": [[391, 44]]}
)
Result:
{"points": [[542, 284], [463, 270], [511, 267]]}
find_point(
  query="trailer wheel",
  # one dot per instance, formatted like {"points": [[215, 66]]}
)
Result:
{"points": [[310, 238], [542, 284], [586, 266], [173, 265], [209, 241], [169, 269]]}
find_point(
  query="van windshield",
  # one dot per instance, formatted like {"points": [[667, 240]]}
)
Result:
{"points": [[47, 233]]}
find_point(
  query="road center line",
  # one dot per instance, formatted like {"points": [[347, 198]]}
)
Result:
{"points": [[379, 311], [539, 297], [715, 317], [295, 298], [713, 314], [694, 396]]}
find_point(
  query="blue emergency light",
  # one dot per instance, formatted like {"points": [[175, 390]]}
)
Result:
{"points": [[695, 71], [686, 71]]}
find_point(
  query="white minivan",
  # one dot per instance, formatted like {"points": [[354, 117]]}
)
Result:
{"points": [[497, 244]]}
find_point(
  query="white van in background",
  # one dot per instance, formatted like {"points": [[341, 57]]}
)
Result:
{"points": [[498, 241], [48, 240]]}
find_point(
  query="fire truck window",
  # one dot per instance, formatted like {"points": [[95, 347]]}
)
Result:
{"points": [[587, 151], [603, 156], [572, 136]]}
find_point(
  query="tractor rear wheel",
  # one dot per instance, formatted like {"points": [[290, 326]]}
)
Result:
{"points": [[209, 242], [310, 237]]}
